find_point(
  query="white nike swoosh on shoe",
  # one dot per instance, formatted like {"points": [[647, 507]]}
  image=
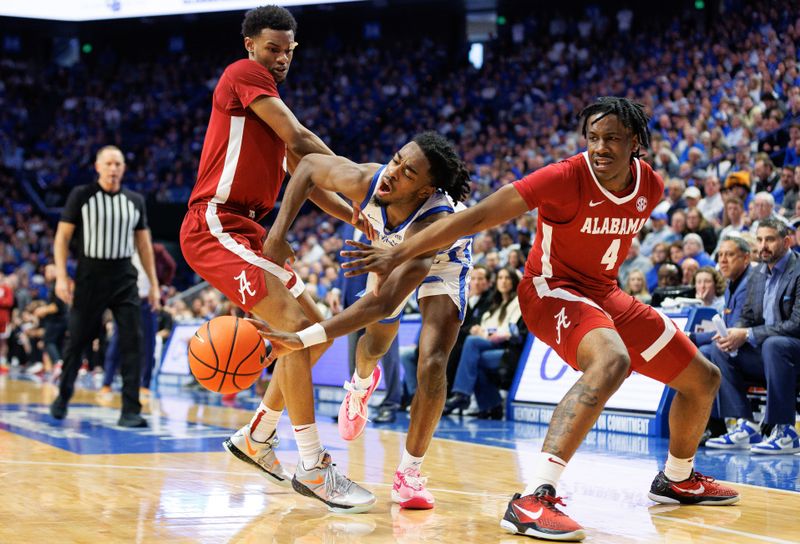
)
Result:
{"points": [[528, 513], [592, 203], [697, 491]]}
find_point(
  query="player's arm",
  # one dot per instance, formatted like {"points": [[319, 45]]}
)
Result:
{"points": [[64, 233], [369, 308], [315, 171], [144, 246], [299, 140], [334, 205], [494, 210]]}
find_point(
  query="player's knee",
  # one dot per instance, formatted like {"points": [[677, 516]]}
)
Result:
{"points": [[610, 369], [432, 368], [372, 348], [713, 377]]}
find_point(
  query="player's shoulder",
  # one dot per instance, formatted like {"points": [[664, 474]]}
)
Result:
{"points": [[650, 177]]}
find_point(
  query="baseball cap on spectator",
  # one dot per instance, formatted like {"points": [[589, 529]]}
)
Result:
{"points": [[659, 216], [738, 178], [692, 192]]}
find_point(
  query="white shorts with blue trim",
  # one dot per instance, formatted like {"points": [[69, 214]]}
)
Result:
{"points": [[444, 278]]}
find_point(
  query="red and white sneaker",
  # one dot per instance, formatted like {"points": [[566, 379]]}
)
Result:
{"points": [[408, 490], [697, 489], [536, 515], [353, 411]]}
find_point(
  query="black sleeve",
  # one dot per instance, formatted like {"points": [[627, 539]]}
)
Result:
{"points": [[140, 205], [71, 213]]}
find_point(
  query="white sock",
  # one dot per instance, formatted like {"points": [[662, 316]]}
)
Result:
{"points": [[362, 383], [409, 461], [678, 470], [547, 470], [308, 443], [264, 423]]}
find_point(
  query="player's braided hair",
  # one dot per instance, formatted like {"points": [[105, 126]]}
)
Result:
{"points": [[274, 17], [631, 114], [448, 171]]}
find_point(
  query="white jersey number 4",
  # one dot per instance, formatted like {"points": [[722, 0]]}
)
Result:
{"points": [[610, 257]]}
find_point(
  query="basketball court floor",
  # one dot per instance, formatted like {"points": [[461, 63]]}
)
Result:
{"points": [[86, 480]]}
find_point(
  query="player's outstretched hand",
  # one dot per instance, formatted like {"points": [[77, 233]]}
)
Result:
{"points": [[368, 259], [278, 251], [361, 222], [282, 342]]}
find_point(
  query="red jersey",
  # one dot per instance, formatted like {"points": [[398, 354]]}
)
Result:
{"points": [[241, 167], [584, 230]]}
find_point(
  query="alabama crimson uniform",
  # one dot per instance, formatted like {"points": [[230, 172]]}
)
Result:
{"points": [[570, 284], [240, 175]]}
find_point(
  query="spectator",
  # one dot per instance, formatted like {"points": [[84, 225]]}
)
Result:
{"points": [[697, 224], [709, 287], [764, 345], [636, 286], [711, 204], [785, 194], [764, 208], [659, 256], [738, 184], [676, 254], [689, 268], [659, 233], [633, 261], [693, 248], [765, 176]]}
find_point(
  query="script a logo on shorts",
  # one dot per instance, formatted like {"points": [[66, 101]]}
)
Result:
{"points": [[641, 204], [244, 286], [561, 323]]}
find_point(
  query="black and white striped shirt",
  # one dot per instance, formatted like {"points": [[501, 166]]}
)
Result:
{"points": [[104, 221]]}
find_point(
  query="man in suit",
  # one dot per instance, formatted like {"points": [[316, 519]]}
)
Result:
{"points": [[734, 265], [765, 345], [480, 298]]}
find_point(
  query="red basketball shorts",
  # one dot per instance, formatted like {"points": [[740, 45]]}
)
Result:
{"points": [[224, 248], [561, 316]]}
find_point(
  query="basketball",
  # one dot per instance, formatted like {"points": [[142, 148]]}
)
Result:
{"points": [[227, 355]]}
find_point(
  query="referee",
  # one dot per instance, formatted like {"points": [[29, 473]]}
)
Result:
{"points": [[111, 223]]}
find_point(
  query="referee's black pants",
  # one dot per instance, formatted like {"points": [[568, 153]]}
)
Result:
{"points": [[101, 285]]}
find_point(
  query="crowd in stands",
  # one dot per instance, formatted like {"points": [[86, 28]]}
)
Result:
{"points": [[724, 103]]}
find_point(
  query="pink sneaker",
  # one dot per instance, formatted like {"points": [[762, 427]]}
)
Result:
{"points": [[408, 490], [353, 411]]}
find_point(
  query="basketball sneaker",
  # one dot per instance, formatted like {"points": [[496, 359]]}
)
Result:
{"points": [[536, 515], [261, 455], [696, 489], [323, 482], [744, 435], [353, 411], [783, 439], [408, 490]]}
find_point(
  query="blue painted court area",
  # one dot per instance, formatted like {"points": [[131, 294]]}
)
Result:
{"points": [[93, 430]]}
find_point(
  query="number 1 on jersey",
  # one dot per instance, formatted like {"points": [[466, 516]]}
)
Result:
{"points": [[610, 257]]}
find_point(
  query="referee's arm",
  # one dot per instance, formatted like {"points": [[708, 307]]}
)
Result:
{"points": [[64, 233], [144, 245]]}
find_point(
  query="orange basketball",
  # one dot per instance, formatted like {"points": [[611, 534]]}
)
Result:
{"points": [[227, 355]]}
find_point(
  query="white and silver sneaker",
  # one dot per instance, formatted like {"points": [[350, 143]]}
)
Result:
{"points": [[260, 455], [323, 482]]}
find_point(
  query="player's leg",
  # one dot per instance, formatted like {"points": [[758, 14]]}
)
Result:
{"points": [[659, 350], [440, 325], [584, 336], [315, 475], [372, 345]]}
